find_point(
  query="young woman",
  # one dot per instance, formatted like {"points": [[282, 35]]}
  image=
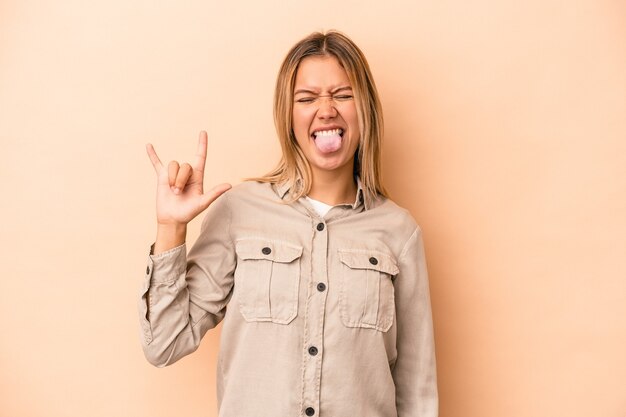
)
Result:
{"points": [[319, 278]]}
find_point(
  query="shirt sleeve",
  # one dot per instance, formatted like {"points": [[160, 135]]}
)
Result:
{"points": [[414, 372], [182, 295]]}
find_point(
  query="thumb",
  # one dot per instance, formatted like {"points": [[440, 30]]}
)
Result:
{"points": [[212, 195]]}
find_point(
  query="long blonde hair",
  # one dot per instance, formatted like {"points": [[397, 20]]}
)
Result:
{"points": [[293, 167]]}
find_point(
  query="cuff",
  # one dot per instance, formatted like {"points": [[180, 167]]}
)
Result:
{"points": [[166, 266]]}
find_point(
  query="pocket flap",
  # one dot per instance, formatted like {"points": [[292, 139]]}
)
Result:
{"points": [[275, 251], [369, 260]]}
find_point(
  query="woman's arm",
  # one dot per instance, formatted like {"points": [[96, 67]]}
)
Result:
{"points": [[414, 372], [183, 296]]}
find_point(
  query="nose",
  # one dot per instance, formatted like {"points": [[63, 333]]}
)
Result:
{"points": [[326, 108]]}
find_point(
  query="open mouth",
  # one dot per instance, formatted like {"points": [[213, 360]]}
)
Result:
{"points": [[328, 141], [327, 133]]}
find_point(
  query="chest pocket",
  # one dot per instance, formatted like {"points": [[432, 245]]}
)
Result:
{"points": [[267, 279], [366, 290]]}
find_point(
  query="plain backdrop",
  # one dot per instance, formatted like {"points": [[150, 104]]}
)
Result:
{"points": [[505, 138]]}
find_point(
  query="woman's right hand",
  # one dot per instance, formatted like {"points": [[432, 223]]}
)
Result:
{"points": [[180, 191]]}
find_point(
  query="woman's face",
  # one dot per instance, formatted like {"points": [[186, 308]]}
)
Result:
{"points": [[325, 119]]}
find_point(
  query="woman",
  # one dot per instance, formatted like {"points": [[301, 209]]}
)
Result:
{"points": [[319, 277]]}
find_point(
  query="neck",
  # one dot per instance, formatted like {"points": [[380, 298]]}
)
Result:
{"points": [[334, 187]]}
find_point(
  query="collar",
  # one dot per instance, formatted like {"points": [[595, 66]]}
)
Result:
{"points": [[284, 187]]}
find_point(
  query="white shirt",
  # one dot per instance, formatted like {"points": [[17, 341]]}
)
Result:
{"points": [[321, 208]]}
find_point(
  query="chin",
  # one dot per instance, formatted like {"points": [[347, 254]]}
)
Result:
{"points": [[328, 165]]}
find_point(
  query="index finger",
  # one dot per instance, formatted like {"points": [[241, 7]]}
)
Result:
{"points": [[156, 162], [201, 153]]}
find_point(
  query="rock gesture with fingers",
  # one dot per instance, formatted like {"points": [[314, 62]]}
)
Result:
{"points": [[180, 189]]}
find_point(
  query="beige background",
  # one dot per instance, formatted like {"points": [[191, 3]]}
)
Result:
{"points": [[506, 139]]}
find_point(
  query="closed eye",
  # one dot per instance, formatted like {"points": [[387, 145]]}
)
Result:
{"points": [[341, 97]]}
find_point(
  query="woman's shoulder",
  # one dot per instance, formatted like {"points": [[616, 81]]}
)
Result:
{"points": [[251, 186], [243, 197], [250, 189], [396, 215]]}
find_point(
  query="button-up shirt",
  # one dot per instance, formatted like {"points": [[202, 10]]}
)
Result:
{"points": [[322, 316]]}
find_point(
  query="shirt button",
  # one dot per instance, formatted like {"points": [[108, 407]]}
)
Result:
{"points": [[309, 411], [266, 251], [147, 270], [312, 351], [373, 261], [320, 226], [321, 287]]}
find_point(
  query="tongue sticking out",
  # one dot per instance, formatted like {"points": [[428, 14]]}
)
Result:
{"points": [[327, 144]]}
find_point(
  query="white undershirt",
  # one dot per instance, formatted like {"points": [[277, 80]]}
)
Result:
{"points": [[321, 208]]}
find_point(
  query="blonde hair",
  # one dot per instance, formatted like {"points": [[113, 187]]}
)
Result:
{"points": [[293, 167]]}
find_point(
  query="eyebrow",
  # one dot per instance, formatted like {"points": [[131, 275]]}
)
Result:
{"points": [[304, 90]]}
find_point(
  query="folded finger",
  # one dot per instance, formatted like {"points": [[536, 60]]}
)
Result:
{"points": [[172, 170], [183, 176]]}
